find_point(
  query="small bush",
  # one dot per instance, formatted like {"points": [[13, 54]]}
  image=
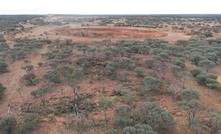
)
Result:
{"points": [[31, 122], [215, 121], [110, 70], [189, 94], [140, 71], [152, 83], [2, 89], [28, 68], [123, 111], [123, 122], [179, 63], [207, 79], [120, 90], [52, 76], [7, 124], [154, 116], [195, 71], [139, 129], [29, 77], [112, 131], [129, 98], [3, 65], [39, 92]]}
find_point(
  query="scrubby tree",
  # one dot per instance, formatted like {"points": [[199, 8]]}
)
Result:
{"points": [[207, 79], [129, 98], [27, 68], [215, 121], [175, 70], [123, 111], [52, 76], [150, 63], [120, 90], [105, 103], [179, 63], [29, 77], [7, 124], [124, 62], [3, 65], [189, 94], [154, 116], [195, 71], [122, 114], [110, 70], [196, 57], [140, 71], [2, 89], [139, 129], [181, 43], [175, 49], [112, 131], [152, 83], [183, 77], [30, 123], [79, 73], [206, 64], [190, 109], [68, 41]]}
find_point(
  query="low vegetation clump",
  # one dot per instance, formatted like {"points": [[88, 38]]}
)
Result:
{"points": [[3, 65], [154, 116], [7, 124], [139, 129], [2, 89]]}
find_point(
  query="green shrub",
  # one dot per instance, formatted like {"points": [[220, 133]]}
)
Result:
{"points": [[112, 131], [196, 57], [105, 103], [190, 108], [195, 71], [154, 116], [2, 89], [179, 63], [152, 83], [139, 129], [28, 68], [7, 124], [79, 73], [123, 111], [120, 90], [123, 62], [52, 76], [129, 98], [175, 70], [206, 64], [110, 70], [31, 122], [123, 122], [215, 121], [3, 65], [39, 92], [150, 63], [140, 71], [207, 79], [189, 94]]}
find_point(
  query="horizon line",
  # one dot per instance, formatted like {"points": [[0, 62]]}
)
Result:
{"points": [[119, 14]]}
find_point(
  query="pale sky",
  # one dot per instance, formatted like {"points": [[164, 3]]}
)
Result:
{"points": [[110, 7]]}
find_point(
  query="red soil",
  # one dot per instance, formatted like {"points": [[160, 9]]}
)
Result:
{"points": [[110, 32]]}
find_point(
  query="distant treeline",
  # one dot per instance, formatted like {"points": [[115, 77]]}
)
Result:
{"points": [[9, 23]]}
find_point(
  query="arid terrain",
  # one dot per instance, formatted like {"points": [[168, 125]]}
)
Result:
{"points": [[105, 75]]}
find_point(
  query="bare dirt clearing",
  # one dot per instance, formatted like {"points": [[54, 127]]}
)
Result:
{"points": [[110, 32]]}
